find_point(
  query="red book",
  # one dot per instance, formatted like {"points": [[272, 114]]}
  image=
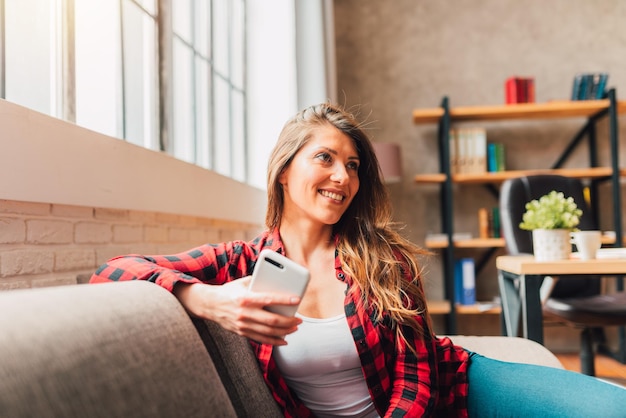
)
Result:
{"points": [[511, 90], [530, 90], [519, 90]]}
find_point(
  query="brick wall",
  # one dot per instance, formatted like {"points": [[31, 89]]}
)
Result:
{"points": [[45, 244]]}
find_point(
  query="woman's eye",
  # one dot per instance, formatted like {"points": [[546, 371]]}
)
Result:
{"points": [[353, 166], [324, 156]]}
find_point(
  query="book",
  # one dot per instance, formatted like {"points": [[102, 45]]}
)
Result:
{"points": [[495, 223], [468, 150], [483, 223], [480, 150], [598, 90], [500, 157], [589, 86], [453, 152], [468, 273], [519, 90], [578, 79], [496, 159]]}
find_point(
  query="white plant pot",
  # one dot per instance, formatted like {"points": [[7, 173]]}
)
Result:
{"points": [[551, 244]]}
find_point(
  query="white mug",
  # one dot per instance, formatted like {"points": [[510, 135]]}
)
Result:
{"points": [[587, 243]]}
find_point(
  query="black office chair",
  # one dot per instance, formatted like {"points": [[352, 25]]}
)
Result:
{"points": [[575, 301]]}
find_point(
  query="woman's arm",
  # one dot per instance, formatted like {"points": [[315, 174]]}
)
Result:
{"points": [[214, 264], [415, 388], [204, 279]]}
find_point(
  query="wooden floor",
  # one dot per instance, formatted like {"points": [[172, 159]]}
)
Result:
{"points": [[606, 367]]}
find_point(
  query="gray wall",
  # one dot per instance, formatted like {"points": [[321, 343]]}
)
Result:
{"points": [[395, 56]]}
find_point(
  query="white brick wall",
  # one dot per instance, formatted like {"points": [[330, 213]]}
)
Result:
{"points": [[44, 244]]}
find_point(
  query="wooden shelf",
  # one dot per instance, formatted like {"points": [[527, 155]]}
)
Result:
{"points": [[489, 243], [548, 110], [447, 117], [442, 307], [501, 176], [468, 243]]}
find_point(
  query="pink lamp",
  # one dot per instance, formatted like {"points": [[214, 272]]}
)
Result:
{"points": [[388, 154]]}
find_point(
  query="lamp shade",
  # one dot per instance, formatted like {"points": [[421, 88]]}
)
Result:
{"points": [[388, 154]]}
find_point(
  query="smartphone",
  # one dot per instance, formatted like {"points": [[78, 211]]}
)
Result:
{"points": [[276, 273]]}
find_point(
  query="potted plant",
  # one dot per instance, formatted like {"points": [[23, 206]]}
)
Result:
{"points": [[551, 218]]}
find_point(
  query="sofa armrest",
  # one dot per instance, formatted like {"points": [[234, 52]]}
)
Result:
{"points": [[513, 349], [107, 350]]}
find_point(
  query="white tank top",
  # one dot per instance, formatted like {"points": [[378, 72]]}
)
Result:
{"points": [[321, 365]]}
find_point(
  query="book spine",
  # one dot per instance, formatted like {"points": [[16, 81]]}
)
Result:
{"points": [[510, 89], [495, 222], [492, 165], [458, 281], [483, 223], [578, 79], [582, 94], [601, 90], [530, 90], [522, 90], [463, 157], [500, 157], [480, 146], [454, 152], [469, 281]]}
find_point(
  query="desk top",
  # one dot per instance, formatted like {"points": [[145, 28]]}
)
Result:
{"points": [[526, 264]]}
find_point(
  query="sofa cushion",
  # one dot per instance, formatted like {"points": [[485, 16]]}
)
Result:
{"points": [[106, 350], [239, 370]]}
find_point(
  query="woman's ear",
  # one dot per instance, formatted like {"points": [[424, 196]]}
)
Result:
{"points": [[282, 177]]}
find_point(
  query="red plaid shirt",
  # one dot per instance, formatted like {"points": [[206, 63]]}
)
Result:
{"points": [[400, 384]]}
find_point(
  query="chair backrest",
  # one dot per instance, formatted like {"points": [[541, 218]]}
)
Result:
{"points": [[515, 193]]}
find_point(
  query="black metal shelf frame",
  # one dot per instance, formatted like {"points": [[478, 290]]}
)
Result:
{"points": [[446, 195]]}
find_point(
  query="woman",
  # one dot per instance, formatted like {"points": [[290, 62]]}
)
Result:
{"points": [[364, 345]]}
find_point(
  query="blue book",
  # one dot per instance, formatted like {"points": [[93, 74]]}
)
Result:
{"points": [[468, 271], [600, 89], [458, 281]]}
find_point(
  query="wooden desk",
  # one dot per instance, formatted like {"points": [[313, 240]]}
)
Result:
{"points": [[520, 278]]}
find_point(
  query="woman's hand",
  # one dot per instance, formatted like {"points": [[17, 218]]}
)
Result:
{"points": [[237, 309]]}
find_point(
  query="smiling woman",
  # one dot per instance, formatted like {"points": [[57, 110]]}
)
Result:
{"points": [[361, 343]]}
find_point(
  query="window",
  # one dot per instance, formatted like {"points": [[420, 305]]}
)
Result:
{"points": [[210, 82], [163, 74]]}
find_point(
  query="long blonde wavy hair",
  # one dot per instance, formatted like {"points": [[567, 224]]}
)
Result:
{"points": [[372, 252]]}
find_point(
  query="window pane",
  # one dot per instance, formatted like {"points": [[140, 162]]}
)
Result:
{"points": [[32, 65], [221, 36], [98, 70], [222, 126], [183, 90], [181, 19], [203, 114], [237, 45], [202, 13], [140, 77], [238, 137]]}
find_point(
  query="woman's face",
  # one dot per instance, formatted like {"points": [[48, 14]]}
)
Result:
{"points": [[322, 179]]}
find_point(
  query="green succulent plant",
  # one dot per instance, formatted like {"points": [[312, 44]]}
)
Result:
{"points": [[551, 211]]}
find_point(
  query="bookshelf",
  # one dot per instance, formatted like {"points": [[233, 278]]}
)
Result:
{"points": [[590, 110]]}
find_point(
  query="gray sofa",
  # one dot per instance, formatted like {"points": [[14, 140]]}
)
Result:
{"points": [[130, 350]]}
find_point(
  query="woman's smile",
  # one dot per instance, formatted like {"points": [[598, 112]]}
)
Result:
{"points": [[332, 195]]}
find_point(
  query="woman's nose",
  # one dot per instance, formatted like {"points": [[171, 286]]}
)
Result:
{"points": [[340, 174]]}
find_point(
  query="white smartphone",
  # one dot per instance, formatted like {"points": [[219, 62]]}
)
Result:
{"points": [[276, 273]]}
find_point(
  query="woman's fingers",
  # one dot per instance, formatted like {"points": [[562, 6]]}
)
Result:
{"points": [[238, 310]]}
